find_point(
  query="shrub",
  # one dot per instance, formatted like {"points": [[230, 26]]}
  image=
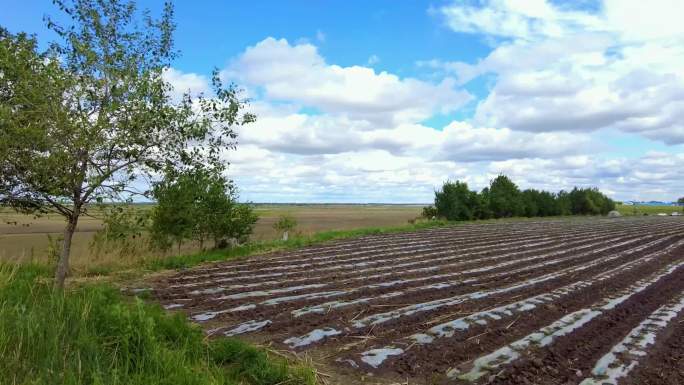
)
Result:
{"points": [[429, 212]]}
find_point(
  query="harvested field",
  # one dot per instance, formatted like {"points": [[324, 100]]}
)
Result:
{"points": [[584, 301]]}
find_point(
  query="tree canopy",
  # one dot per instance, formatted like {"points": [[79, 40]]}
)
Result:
{"points": [[198, 205], [502, 199], [92, 119]]}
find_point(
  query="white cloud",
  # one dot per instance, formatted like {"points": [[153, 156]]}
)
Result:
{"points": [[462, 142], [186, 82], [298, 133], [351, 134], [297, 73], [643, 20], [653, 176], [522, 19], [573, 70]]}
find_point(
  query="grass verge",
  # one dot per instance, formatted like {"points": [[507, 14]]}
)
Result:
{"points": [[252, 248], [93, 335]]}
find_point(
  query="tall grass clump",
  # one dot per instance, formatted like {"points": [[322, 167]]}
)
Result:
{"points": [[95, 335]]}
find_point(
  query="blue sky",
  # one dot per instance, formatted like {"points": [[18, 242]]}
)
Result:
{"points": [[380, 101]]}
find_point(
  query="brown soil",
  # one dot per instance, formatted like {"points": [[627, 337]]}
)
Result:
{"points": [[517, 261]]}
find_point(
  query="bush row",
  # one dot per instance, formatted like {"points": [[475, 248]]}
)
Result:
{"points": [[503, 199]]}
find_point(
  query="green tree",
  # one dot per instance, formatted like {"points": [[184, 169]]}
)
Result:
{"points": [[563, 204], [455, 201], [219, 215], [482, 209], [198, 205], [680, 202], [531, 201], [92, 117], [589, 201], [242, 220], [174, 217], [504, 198]]}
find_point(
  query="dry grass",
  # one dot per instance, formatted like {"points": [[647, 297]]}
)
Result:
{"points": [[28, 240]]}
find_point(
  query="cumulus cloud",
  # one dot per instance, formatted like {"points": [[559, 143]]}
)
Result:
{"points": [[297, 73], [303, 134], [331, 133], [560, 69], [462, 142], [650, 177]]}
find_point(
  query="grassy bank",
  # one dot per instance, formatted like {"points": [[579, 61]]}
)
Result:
{"points": [[94, 335], [252, 248]]}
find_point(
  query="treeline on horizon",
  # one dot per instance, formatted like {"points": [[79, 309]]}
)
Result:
{"points": [[503, 199]]}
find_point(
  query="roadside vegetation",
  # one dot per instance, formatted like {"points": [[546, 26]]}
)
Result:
{"points": [[503, 199], [92, 120], [93, 335]]}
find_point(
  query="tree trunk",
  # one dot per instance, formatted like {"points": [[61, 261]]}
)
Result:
{"points": [[63, 264]]}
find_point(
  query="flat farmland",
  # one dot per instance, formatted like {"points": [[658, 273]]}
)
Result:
{"points": [[24, 237], [582, 301]]}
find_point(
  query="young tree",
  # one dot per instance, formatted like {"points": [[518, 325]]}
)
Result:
{"points": [[198, 204], [242, 220], [219, 215], [92, 117], [174, 217]]}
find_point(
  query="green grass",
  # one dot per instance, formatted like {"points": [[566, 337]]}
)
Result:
{"points": [[650, 210], [95, 335], [252, 248]]}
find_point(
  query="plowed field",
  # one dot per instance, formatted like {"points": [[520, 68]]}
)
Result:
{"points": [[583, 301]]}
